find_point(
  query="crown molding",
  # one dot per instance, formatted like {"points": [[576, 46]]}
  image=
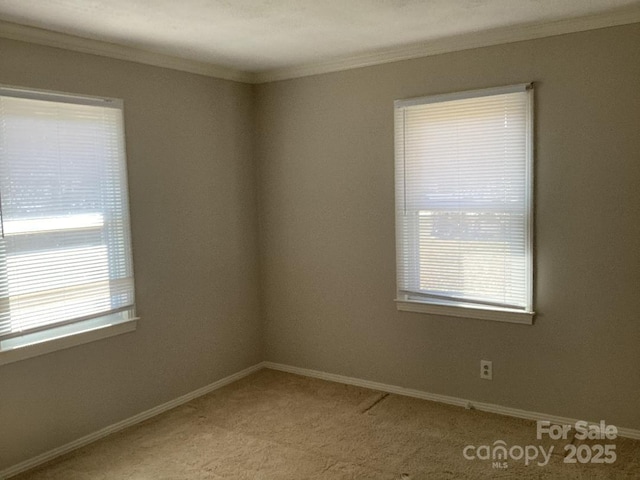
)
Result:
{"points": [[49, 38], [456, 43], [516, 33]]}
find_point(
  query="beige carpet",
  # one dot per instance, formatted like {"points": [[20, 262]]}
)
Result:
{"points": [[273, 425]]}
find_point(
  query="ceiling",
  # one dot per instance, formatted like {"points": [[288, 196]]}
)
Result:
{"points": [[272, 37]]}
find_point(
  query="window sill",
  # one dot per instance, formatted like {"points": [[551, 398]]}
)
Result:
{"points": [[498, 315], [33, 345]]}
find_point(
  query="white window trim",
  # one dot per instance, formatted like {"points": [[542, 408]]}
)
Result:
{"points": [[48, 341], [474, 312], [455, 309], [33, 344]]}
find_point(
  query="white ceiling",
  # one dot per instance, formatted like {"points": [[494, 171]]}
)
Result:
{"points": [[276, 35]]}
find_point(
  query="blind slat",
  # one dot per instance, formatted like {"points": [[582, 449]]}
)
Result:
{"points": [[463, 198], [65, 255]]}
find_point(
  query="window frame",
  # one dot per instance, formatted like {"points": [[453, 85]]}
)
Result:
{"points": [[79, 331], [405, 301]]}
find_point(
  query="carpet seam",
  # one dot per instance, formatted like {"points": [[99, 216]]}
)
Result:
{"points": [[376, 403]]}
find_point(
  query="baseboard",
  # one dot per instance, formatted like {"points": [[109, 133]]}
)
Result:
{"points": [[116, 427], [129, 422], [461, 402]]}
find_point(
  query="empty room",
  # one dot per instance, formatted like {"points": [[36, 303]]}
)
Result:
{"points": [[291, 240]]}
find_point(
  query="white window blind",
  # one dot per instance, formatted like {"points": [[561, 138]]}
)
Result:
{"points": [[65, 251], [463, 199]]}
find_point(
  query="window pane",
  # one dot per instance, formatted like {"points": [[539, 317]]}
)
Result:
{"points": [[463, 199], [65, 254]]}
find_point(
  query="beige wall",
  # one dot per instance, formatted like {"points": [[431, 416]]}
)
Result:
{"points": [[327, 230], [324, 152], [191, 178]]}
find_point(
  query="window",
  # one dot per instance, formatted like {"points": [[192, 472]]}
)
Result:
{"points": [[65, 251], [464, 204]]}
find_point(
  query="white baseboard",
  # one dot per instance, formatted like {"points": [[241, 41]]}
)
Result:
{"points": [[461, 402], [408, 392], [116, 427]]}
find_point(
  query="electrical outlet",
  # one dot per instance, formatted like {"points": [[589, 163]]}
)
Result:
{"points": [[486, 370]]}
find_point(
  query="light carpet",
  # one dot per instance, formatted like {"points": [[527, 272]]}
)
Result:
{"points": [[278, 426]]}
